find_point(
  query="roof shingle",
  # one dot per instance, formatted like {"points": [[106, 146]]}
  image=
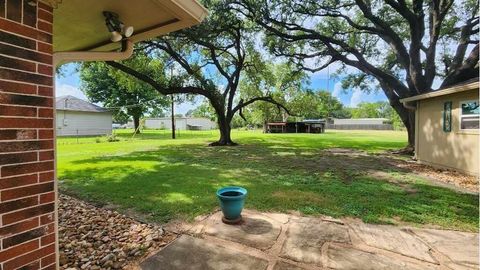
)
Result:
{"points": [[71, 103]]}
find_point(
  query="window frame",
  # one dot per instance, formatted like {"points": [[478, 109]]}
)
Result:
{"points": [[461, 116]]}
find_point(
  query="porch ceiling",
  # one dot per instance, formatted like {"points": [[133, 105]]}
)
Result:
{"points": [[79, 25]]}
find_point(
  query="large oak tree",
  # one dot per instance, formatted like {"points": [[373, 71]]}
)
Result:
{"points": [[405, 46], [211, 59]]}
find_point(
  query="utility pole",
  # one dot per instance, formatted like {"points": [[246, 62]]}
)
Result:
{"points": [[173, 107], [173, 118], [328, 78]]}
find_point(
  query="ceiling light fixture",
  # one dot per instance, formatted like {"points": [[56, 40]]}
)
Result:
{"points": [[116, 27]]}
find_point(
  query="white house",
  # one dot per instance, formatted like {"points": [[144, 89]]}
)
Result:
{"points": [[78, 117], [361, 123], [181, 123]]}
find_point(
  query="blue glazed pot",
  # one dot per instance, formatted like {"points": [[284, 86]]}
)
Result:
{"points": [[231, 200]]}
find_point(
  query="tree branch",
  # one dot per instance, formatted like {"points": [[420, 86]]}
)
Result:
{"points": [[157, 86], [468, 70], [465, 34], [268, 99]]}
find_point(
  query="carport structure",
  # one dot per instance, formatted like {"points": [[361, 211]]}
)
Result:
{"points": [[35, 36]]}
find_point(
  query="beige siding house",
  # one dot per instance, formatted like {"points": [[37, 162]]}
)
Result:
{"points": [[78, 117], [447, 127]]}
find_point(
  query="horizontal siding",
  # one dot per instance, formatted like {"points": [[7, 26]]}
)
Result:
{"points": [[358, 121], [70, 123], [181, 124], [456, 149]]}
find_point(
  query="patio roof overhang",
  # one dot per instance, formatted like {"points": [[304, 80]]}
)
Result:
{"points": [[79, 25], [442, 92]]}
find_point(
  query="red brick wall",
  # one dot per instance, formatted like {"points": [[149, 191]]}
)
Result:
{"points": [[27, 191]]}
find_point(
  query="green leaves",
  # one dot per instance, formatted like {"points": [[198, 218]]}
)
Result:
{"points": [[117, 91]]}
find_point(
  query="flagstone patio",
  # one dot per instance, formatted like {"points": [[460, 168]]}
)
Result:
{"points": [[287, 242]]}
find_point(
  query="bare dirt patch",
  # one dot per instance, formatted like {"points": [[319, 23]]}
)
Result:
{"points": [[349, 161], [451, 177]]}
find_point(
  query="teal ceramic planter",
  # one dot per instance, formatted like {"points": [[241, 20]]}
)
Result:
{"points": [[232, 200]]}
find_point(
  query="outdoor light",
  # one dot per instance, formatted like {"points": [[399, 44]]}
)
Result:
{"points": [[128, 31], [116, 27], [116, 36]]}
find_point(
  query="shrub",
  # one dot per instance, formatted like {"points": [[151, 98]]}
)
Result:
{"points": [[112, 138]]}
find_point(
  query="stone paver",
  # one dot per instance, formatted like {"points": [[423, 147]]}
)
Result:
{"points": [[393, 239], [286, 266], [305, 238], [460, 247], [190, 253], [257, 231], [460, 266], [348, 258], [287, 242]]}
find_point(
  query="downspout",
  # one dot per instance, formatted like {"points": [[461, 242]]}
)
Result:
{"points": [[409, 107], [65, 57]]}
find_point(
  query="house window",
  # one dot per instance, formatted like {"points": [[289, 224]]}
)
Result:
{"points": [[469, 115], [447, 116]]}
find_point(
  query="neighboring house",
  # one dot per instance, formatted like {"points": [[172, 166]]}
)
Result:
{"points": [[79, 117], [447, 127], [181, 123], [361, 123]]}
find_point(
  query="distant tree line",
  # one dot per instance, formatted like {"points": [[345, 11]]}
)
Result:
{"points": [[306, 104], [379, 109]]}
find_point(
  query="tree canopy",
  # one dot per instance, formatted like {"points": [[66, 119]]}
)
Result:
{"points": [[318, 105], [125, 97], [203, 110], [404, 47]]}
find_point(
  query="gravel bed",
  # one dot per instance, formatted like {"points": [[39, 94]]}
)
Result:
{"points": [[467, 182], [96, 238]]}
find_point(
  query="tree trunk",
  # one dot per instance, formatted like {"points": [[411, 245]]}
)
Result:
{"points": [[408, 119], [225, 132], [136, 124], [411, 130]]}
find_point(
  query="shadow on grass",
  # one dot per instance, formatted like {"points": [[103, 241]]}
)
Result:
{"points": [[180, 182]]}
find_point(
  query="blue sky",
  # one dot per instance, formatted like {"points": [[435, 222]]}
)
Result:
{"points": [[69, 84]]}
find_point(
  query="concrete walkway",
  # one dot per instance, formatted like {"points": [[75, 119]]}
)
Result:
{"points": [[285, 242]]}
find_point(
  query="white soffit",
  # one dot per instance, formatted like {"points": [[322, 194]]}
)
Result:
{"points": [[79, 25]]}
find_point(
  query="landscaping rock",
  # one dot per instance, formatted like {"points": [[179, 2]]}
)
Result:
{"points": [[96, 238]]}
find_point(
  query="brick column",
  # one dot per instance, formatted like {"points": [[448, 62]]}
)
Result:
{"points": [[27, 143]]}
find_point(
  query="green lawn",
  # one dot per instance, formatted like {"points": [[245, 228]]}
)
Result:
{"points": [[166, 179]]}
